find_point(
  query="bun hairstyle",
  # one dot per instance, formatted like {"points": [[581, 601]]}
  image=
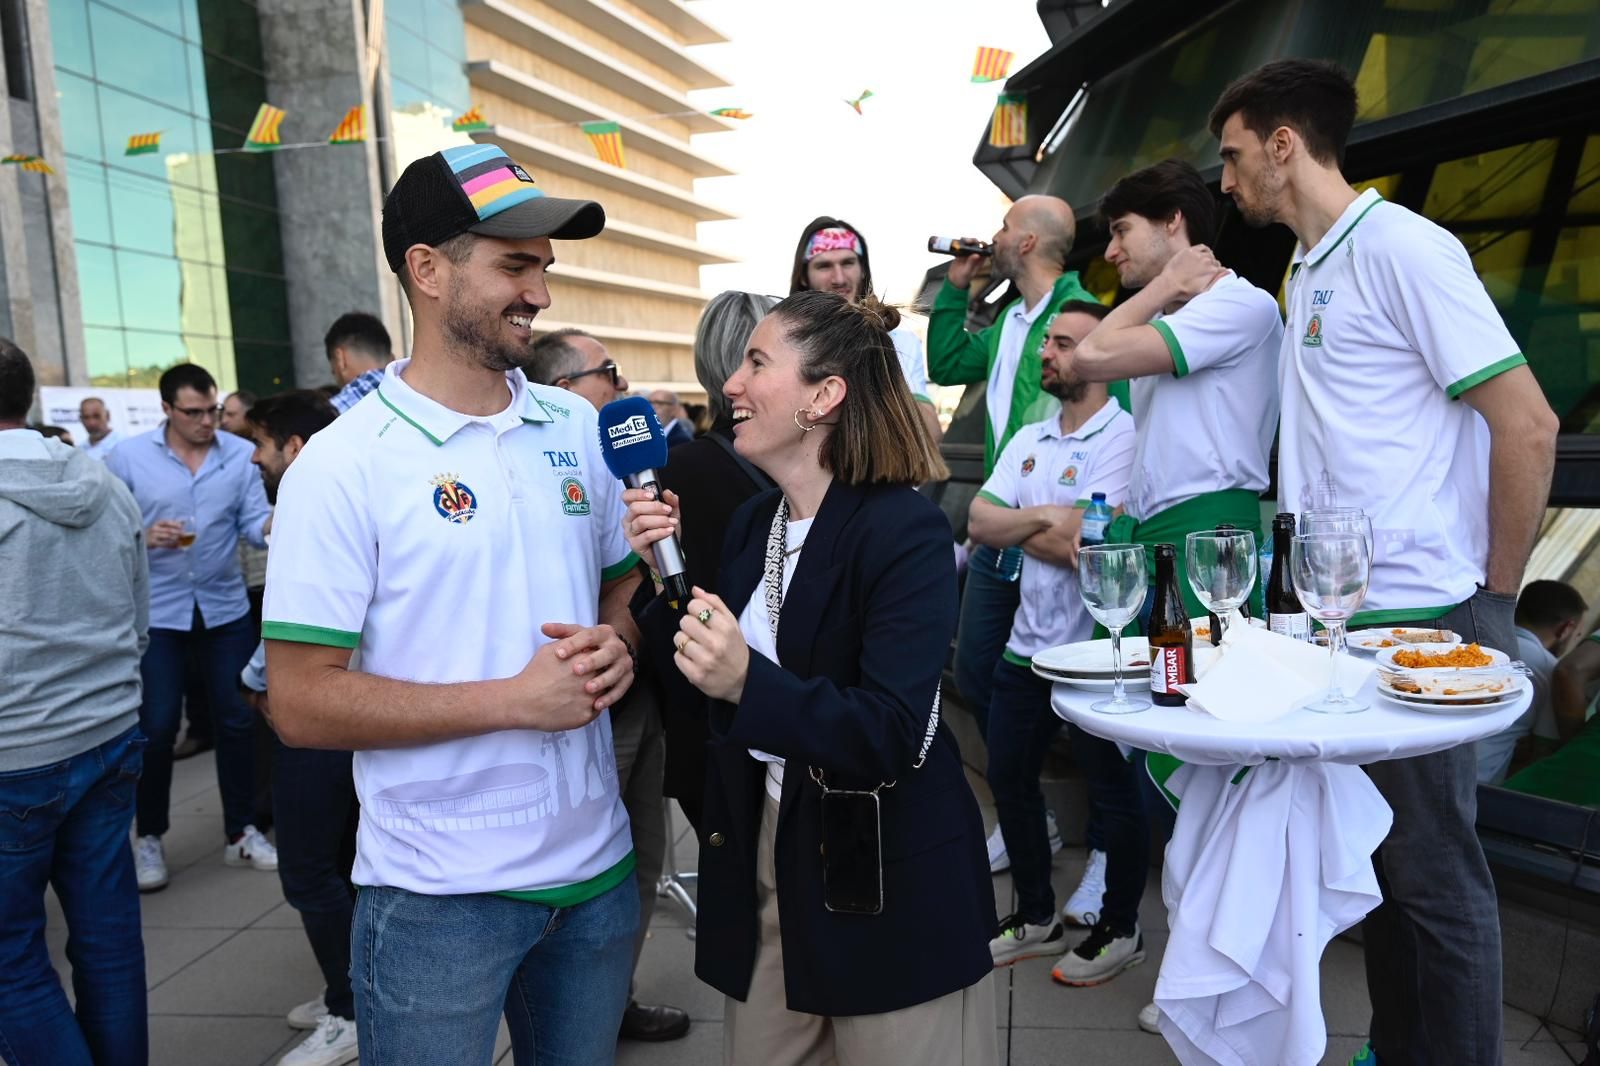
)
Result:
{"points": [[877, 435]]}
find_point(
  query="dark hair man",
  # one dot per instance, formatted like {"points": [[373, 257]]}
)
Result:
{"points": [[95, 418], [358, 351], [199, 497], [1199, 347], [1547, 620], [234, 409], [1388, 326], [832, 256], [74, 613], [462, 534]]}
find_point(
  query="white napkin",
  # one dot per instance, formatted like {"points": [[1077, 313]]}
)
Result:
{"points": [[1259, 676]]}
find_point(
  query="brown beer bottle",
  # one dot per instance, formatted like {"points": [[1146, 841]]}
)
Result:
{"points": [[1171, 637], [1285, 614]]}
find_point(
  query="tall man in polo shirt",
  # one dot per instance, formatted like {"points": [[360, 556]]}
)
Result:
{"points": [[1030, 251], [184, 472], [1200, 345], [458, 529], [1388, 328], [1034, 499]]}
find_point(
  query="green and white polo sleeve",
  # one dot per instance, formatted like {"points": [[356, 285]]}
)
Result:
{"points": [[1435, 299], [1219, 327], [323, 565], [1003, 485]]}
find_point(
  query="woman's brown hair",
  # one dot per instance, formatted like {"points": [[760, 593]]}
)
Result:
{"points": [[878, 435]]}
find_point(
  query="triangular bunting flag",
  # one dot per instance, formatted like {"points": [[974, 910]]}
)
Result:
{"points": [[1008, 127], [732, 112], [471, 120], [33, 164], [856, 103], [352, 129], [143, 144], [991, 64], [263, 135], [607, 140]]}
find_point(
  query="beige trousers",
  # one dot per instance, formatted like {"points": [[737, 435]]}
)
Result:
{"points": [[953, 1030]]}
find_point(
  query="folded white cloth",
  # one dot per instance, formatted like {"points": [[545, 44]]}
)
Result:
{"points": [[1259, 676], [1259, 876]]}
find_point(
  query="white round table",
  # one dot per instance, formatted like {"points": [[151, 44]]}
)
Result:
{"points": [[1265, 867]]}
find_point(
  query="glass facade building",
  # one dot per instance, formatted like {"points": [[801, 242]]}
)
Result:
{"points": [[427, 45], [179, 254]]}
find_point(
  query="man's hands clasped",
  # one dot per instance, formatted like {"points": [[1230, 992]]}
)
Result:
{"points": [[568, 682]]}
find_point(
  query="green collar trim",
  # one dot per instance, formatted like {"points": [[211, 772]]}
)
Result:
{"points": [[415, 424], [1377, 199]]}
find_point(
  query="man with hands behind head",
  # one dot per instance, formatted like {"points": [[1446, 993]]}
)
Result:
{"points": [[458, 530]]}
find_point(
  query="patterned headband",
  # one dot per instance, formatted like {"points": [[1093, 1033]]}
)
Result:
{"points": [[832, 240]]}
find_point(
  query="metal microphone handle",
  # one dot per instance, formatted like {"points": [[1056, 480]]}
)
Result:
{"points": [[668, 552]]}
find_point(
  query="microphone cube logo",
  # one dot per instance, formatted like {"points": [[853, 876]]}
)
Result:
{"points": [[635, 430]]}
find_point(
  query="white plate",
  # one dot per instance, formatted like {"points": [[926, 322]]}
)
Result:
{"points": [[1091, 659], [1512, 687], [1202, 628], [1371, 640], [1386, 657], [1131, 679], [1451, 708]]}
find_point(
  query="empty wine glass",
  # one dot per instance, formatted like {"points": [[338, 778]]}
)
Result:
{"points": [[1222, 571], [1338, 520], [1330, 573], [1112, 580]]}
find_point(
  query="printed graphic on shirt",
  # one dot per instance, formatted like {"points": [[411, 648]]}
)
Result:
{"points": [[575, 501], [1027, 466], [454, 501], [1069, 476], [1313, 337]]}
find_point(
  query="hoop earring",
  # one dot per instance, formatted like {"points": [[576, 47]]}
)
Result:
{"points": [[803, 428]]}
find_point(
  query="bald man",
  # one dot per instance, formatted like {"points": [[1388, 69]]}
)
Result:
{"points": [[674, 419], [96, 422], [1030, 251]]}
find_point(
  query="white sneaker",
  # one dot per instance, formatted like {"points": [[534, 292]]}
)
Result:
{"points": [[1000, 862], [1102, 955], [309, 1013], [149, 864], [1084, 906], [1150, 1018], [1020, 940], [251, 849], [332, 1044]]}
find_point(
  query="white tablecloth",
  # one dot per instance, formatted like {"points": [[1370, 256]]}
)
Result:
{"points": [[1265, 868]]}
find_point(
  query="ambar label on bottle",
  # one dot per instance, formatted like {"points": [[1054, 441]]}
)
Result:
{"points": [[1168, 668]]}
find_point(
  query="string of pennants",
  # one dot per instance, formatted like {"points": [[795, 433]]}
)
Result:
{"points": [[1008, 125]]}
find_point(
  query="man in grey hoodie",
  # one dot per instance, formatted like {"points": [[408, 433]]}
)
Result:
{"points": [[74, 613]]}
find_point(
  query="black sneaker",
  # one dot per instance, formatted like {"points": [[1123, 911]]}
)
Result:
{"points": [[1102, 955], [1020, 939]]}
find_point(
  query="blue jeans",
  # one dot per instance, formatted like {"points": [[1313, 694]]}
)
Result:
{"points": [[1021, 726], [988, 607], [433, 974], [66, 825], [314, 806], [222, 652]]}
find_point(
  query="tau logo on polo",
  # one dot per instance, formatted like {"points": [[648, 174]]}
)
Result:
{"points": [[575, 501], [1027, 466], [1313, 337], [560, 459], [1069, 476], [454, 501]]}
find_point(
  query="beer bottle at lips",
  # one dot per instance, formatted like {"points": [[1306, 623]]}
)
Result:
{"points": [[1171, 637], [959, 246], [1285, 614]]}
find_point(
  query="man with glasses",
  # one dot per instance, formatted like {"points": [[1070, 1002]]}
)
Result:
{"points": [[573, 360], [197, 495]]}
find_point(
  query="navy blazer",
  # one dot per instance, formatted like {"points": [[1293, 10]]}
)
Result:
{"points": [[862, 640]]}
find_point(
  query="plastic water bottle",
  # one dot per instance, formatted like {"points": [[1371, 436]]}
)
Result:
{"points": [[1009, 563], [1096, 520]]}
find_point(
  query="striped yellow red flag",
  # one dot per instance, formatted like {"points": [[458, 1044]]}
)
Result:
{"points": [[1008, 127], [263, 135], [33, 164], [992, 64], [606, 137], [471, 120], [732, 112], [352, 129], [143, 144]]}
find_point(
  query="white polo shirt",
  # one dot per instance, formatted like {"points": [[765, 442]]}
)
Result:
{"points": [[1388, 326], [1014, 332], [912, 363], [436, 544], [1208, 426], [1040, 466]]}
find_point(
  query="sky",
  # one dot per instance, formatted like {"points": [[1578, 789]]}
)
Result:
{"points": [[902, 171]]}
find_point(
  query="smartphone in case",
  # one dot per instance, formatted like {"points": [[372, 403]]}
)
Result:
{"points": [[852, 852]]}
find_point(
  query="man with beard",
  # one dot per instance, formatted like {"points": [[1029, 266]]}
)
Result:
{"points": [[1389, 326], [314, 799], [458, 529], [1035, 499], [1200, 345]]}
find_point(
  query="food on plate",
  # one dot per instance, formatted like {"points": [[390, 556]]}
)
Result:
{"points": [[1465, 656], [1421, 636], [1403, 684], [1202, 632]]}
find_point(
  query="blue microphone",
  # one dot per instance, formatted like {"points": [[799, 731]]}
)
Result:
{"points": [[634, 446]]}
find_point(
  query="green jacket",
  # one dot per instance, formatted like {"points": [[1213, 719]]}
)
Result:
{"points": [[957, 357]]}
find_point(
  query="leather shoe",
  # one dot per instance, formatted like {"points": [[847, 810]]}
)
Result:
{"points": [[190, 746], [653, 1023]]}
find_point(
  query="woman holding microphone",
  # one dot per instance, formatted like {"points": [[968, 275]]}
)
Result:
{"points": [[845, 898]]}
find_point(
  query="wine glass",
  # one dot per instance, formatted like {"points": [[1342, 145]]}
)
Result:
{"points": [[1112, 580], [1222, 571], [1338, 520], [1330, 572]]}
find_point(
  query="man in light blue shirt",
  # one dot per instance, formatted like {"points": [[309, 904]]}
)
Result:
{"points": [[197, 494]]}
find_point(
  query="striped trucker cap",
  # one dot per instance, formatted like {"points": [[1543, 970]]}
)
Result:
{"points": [[477, 188]]}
